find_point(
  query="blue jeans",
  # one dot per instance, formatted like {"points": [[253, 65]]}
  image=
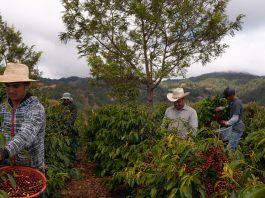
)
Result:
{"points": [[233, 138]]}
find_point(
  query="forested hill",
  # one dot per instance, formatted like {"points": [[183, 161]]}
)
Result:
{"points": [[225, 75], [88, 94]]}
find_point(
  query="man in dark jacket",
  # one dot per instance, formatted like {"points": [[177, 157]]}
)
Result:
{"points": [[68, 102], [235, 119]]}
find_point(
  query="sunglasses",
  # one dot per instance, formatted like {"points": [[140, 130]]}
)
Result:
{"points": [[14, 85]]}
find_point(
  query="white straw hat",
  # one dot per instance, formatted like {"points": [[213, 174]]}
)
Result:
{"points": [[177, 94], [15, 72]]}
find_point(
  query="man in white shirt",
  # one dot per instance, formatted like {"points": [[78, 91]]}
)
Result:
{"points": [[180, 118]]}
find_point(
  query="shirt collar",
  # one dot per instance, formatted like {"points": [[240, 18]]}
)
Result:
{"points": [[25, 98], [185, 107]]}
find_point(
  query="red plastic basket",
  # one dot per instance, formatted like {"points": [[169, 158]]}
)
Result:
{"points": [[27, 171]]}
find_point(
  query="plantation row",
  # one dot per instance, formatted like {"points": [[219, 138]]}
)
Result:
{"points": [[142, 160], [139, 159]]}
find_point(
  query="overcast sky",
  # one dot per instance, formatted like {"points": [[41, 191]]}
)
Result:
{"points": [[40, 22]]}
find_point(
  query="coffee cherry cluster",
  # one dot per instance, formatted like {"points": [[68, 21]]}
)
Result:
{"points": [[216, 160], [209, 166], [25, 185]]}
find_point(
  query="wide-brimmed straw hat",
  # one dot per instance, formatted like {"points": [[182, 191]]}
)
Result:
{"points": [[177, 94], [15, 72], [67, 96]]}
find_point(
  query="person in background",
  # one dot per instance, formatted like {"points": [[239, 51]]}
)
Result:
{"points": [[22, 119], [180, 118], [235, 118], [68, 102]]}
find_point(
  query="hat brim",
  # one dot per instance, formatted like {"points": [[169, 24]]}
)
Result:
{"points": [[64, 98], [5, 79], [172, 99]]}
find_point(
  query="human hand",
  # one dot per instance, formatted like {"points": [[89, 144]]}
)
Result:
{"points": [[2, 155], [217, 109], [223, 122]]}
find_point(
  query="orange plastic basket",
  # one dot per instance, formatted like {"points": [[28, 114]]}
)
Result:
{"points": [[27, 171]]}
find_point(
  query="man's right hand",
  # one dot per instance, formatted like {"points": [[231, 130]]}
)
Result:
{"points": [[217, 109], [2, 155]]}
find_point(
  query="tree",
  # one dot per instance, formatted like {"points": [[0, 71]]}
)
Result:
{"points": [[147, 40], [12, 49]]}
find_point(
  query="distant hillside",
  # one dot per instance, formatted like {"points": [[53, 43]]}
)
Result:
{"points": [[84, 92], [225, 75], [249, 87], [87, 94]]}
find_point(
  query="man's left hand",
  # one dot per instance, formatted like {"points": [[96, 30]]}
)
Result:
{"points": [[223, 122]]}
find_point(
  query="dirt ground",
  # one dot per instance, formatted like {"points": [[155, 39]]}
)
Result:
{"points": [[89, 185]]}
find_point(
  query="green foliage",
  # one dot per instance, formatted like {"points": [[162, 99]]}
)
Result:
{"points": [[206, 114], [3, 194], [114, 133], [145, 161], [123, 86], [146, 41], [255, 147], [57, 176], [7, 177], [58, 149], [177, 168], [58, 138], [254, 143], [254, 191], [12, 49], [254, 117]]}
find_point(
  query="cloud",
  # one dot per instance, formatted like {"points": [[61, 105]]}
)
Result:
{"points": [[246, 48], [40, 22], [60, 60], [253, 11], [245, 54]]}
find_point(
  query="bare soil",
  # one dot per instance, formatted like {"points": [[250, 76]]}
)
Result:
{"points": [[89, 185]]}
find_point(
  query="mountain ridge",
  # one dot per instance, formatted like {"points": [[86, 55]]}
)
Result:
{"points": [[87, 94]]}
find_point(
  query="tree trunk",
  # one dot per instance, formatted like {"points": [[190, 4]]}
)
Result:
{"points": [[150, 96]]}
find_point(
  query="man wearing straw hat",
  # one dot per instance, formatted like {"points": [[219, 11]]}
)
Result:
{"points": [[180, 118], [22, 119]]}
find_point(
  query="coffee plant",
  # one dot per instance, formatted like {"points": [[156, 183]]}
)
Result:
{"points": [[114, 133], [140, 159], [143, 160], [58, 156], [205, 109], [254, 117]]}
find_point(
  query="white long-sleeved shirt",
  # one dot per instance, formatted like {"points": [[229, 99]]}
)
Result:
{"points": [[182, 121]]}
